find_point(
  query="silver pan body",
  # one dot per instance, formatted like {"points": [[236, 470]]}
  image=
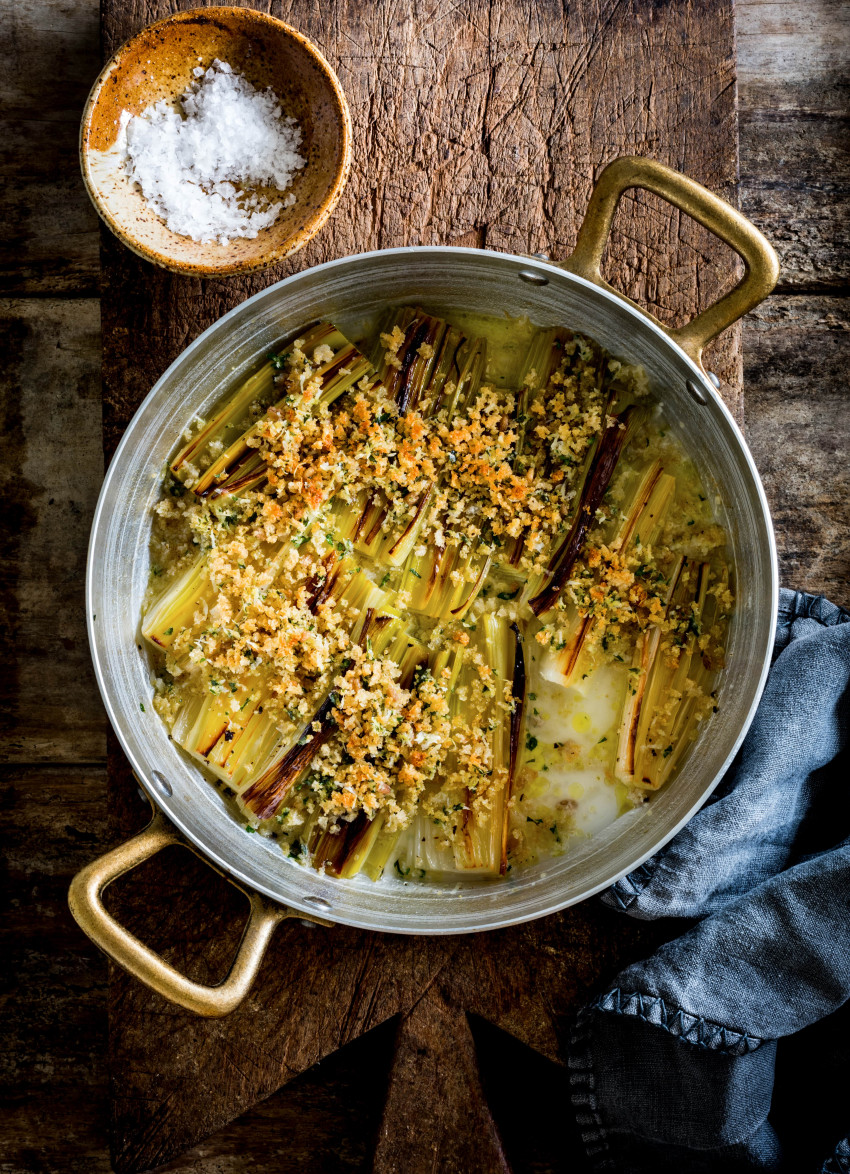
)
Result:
{"points": [[350, 292]]}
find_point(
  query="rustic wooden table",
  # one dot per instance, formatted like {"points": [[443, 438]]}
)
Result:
{"points": [[794, 176]]}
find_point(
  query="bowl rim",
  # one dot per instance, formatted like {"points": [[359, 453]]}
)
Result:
{"points": [[293, 243], [235, 870]]}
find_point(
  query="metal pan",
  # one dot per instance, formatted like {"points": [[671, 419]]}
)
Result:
{"points": [[350, 292]]}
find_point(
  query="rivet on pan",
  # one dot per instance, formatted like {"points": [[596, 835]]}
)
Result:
{"points": [[712, 378], [307, 924], [533, 278], [318, 903], [696, 392], [161, 784], [541, 256]]}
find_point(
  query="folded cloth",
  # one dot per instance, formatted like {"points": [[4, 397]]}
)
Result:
{"points": [[680, 1065]]}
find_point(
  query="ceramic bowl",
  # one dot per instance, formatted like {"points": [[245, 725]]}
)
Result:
{"points": [[157, 64]]}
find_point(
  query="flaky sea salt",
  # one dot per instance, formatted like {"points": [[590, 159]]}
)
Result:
{"points": [[197, 168]]}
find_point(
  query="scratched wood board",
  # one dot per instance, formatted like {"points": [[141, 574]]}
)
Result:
{"points": [[478, 125]]}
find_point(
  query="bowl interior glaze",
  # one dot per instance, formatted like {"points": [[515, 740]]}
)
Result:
{"points": [[157, 64]]}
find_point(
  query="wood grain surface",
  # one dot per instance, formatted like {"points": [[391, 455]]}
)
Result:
{"points": [[477, 127], [480, 126], [54, 1082]]}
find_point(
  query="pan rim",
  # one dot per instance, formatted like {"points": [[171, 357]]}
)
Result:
{"points": [[195, 834]]}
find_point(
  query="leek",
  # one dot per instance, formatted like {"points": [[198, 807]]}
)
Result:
{"points": [[643, 660], [229, 731], [599, 476], [472, 838], [241, 467], [544, 359], [174, 609], [482, 845], [362, 843], [642, 521], [440, 371], [677, 686], [444, 582], [386, 632], [382, 845]]}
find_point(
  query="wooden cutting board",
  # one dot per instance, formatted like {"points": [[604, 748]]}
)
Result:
{"points": [[474, 124]]}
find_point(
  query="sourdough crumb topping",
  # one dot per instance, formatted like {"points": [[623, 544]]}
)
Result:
{"points": [[340, 558]]}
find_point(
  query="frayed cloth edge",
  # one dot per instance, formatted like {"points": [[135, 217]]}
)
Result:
{"points": [[839, 1161], [692, 1029]]}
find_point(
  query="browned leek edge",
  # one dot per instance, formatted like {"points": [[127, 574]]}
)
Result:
{"points": [[193, 446], [633, 706], [417, 334], [423, 329], [521, 414], [332, 850], [323, 582], [265, 795], [241, 467], [599, 477]]}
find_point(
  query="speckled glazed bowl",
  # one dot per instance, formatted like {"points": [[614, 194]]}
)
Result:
{"points": [[157, 64]]}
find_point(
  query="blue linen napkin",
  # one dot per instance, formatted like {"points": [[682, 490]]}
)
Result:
{"points": [[691, 1061]]}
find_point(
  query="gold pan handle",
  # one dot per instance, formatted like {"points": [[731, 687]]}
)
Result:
{"points": [[761, 266], [84, 899]]}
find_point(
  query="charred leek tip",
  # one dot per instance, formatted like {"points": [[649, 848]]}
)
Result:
{"points": [[417, 335], [406, 372], [335, 848], [599, 478], [266, 794]]}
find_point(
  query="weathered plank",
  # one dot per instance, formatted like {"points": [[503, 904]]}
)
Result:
{"points": [[51, 240], [435, 1049], [794, 135], [793, 127], [324, 1122], [54, 984], [794, 178], [50, 477], [53, 1074], [481, 129], [798, 425]]}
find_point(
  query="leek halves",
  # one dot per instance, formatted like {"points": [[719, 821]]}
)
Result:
{"points": [[383, 565]]}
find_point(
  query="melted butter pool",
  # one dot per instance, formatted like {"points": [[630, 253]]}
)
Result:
{"points": [[566, 785]]}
